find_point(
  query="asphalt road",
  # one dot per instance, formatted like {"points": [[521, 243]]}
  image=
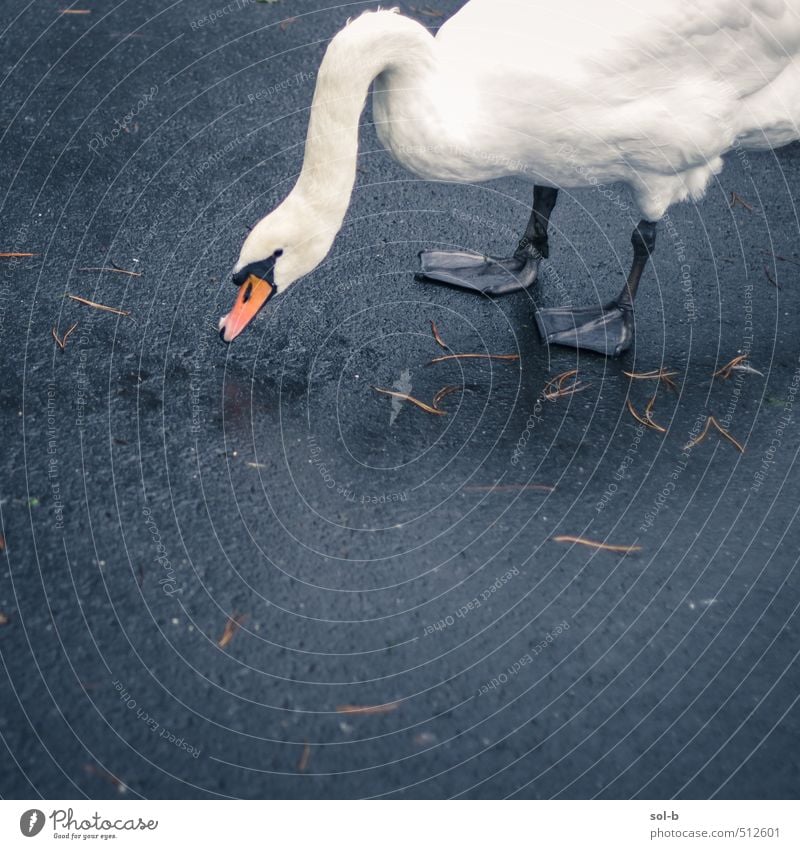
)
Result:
{"points": [[155, 482]]}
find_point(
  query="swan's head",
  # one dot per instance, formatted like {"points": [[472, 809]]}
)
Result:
{"points": [[278, 251]]}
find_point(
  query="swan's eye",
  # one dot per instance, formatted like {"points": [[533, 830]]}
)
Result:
{"points": [[278, 253]]}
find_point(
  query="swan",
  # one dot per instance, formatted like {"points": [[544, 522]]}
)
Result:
{"points": [[650, 93]]}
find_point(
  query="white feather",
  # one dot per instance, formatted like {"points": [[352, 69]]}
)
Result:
{"points": [[648, 92]]}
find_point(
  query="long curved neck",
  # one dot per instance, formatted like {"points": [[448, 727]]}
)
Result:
{"points": [[373, 44]]}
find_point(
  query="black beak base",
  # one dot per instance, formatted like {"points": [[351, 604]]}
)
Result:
{"points": [[263, 269]]}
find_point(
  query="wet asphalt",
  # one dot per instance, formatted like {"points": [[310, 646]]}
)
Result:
{"points": [[407, 626]]}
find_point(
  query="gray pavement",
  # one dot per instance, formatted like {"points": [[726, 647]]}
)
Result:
{"points": [[155, 482]]}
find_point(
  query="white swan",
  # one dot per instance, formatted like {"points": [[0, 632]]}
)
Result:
{"points": [[648, 92]]}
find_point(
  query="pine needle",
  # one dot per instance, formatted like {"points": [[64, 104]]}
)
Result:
{"points": [[558, 387], [367, 710], [771, 278], [510, 487], [711, 421], [97, 306], [15, 255], [443, 393], [302, 764], [91, 769], [111, 268], [736, 364], [647, 418], [738, 200], [662, 374], [63, 341], [437, 337], [411, 400], [623, 549], [231, 627], [506, 357]]}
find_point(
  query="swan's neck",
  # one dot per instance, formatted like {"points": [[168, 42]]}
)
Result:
{"points": [[374, 44]]}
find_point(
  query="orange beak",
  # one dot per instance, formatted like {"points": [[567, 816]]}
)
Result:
{"points": [[253, 294]]}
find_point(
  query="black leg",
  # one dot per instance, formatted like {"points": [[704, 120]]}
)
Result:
{"points": [[609, 329], [494, 275], [544, 201]]}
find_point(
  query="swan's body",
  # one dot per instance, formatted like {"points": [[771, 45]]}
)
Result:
{"points": [[651, 93], [570, 94]]}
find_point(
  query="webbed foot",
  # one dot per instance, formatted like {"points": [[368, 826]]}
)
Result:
{"points": [[607, 330], [479, 273]]}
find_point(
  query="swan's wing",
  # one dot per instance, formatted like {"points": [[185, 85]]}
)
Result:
{"points": [[628, 45], [657, 84]]}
